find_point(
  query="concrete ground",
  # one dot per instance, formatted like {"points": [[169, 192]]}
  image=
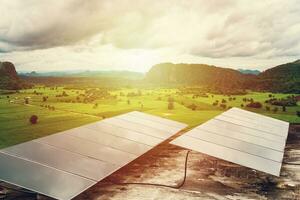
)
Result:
{"points": [[207, 177]]}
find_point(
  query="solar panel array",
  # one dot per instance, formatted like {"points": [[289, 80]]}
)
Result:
{"points": [[67, 163], [241, 137]]}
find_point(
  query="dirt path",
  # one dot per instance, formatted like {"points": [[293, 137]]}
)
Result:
{"points": [[79, 113]]}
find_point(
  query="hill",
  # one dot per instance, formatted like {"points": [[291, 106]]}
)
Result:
{"points": [[249, 71], [8, 76], [283, 78], [212, 77], [9, 79]]}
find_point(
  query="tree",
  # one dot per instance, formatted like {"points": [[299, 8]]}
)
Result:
{"points": [[222, 105], [33, 119], [171, 105], [64, 94], [26, 100], [170, 99], [254, 105], [192, 106]]}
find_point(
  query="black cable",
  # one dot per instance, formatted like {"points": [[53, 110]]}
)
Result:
{"points": [[288, 163], [157, 184], [178, 186]]}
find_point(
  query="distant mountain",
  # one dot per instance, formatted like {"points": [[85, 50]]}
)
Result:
{"points": [[9, 79], [249, 71], [111, 74], [218, 78], [81, 73], [282, 78]]}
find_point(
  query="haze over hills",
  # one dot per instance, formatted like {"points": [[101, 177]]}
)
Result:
{"points": [[85, 73], [249, 71], [282, 78]]}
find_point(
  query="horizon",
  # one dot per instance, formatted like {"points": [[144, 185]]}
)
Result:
{"points": [[113, 36], [141, 72]]}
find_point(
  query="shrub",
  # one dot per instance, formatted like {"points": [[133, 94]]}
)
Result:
{"points": [[283, 109], [289, 101], [224, 101], [26, 100], [268, 108], [223, 106], [170, 99], [192, 107], [171, 105], [242, 105], [254, 105], [275, 110], [298, 113], [33, 119], [64, 94]]}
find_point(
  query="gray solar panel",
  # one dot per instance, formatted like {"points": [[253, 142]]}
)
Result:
{"points": [[65, 164], [244, 134], [44, 179], [241, 137]]}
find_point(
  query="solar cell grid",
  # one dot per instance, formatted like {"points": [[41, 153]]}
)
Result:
{"points": [[67, 163], [255, 141]]}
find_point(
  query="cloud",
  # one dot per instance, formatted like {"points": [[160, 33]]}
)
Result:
{"points": [[205, 29]]}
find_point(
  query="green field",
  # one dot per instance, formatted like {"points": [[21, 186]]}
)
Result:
{"points": [[80, 107]]}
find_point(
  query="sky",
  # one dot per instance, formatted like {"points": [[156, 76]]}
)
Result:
{"points": [[56, 35]]}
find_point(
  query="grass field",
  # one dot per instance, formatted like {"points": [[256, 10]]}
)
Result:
{"points": [[78, 107]]}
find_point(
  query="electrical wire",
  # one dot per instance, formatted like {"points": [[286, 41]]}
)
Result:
{"points": [[178, 186], [288, 163]]}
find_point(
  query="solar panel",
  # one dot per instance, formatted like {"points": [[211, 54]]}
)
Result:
{"points": [[67, 163], [241, 137]]}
